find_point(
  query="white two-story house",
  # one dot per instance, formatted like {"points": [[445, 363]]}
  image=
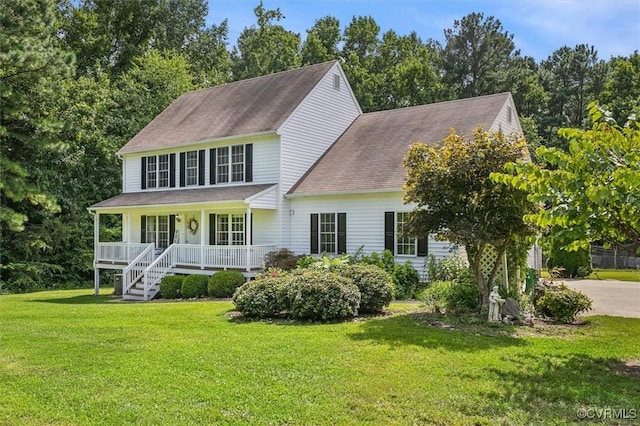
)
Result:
{"points": [[227, 174]]}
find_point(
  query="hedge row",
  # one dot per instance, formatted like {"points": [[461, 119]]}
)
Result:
{"points": [[316, 294], [221, 284]]}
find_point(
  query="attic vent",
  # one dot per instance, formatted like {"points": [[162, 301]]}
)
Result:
{"points": [[509, 114], [336, 81]]}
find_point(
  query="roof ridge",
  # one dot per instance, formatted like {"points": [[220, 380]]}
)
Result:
{"points": [[231, 83], [473, 98]]}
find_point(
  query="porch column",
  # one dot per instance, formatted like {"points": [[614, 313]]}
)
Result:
{"points": [[129, 219], [247, 237], [96, 241], [203, 219]]}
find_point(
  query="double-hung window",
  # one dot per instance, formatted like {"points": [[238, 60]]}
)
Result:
{"points": [[231, 164], [405, 245], [152, 168], [156, 230], [158, 171], [328, 233], [396, 239], [191, 168], [163, 171], [228, 229]]}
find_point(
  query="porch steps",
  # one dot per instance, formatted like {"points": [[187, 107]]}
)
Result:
{"points": [[137, 292]]}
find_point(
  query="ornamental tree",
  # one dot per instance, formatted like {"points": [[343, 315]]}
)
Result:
{"points": [[590, 193], [456, 199]]}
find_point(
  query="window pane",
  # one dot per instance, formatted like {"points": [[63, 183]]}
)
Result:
{"points": [[237, 229], [151, 229], [163, 231], [163, 171], [151, 172], [328, 232], [406, 245], [237, 163], [222, 230], [192, 168], [222, 162]]}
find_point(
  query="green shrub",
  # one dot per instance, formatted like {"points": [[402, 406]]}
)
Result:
{"points": [[321, 295], [570, 264], [450, 297], [561, 303], [375, 285], [405, 280], [385, 261], [452, 268], [262, 298], [194, 286], [170, 286], [224, 283], [283, 259]]}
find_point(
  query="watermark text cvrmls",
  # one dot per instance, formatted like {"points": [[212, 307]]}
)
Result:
{"points": [[607, 413]]}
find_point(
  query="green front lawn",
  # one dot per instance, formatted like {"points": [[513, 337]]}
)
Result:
{"points": [[67, 358]]}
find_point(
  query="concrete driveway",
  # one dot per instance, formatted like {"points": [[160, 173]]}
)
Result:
{"points": [[610, 297]]}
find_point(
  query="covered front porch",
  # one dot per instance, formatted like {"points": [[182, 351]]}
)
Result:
{"points": [[166, 234]]}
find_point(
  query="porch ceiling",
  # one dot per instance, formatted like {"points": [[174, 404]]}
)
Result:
{"points": [[239, 193]]}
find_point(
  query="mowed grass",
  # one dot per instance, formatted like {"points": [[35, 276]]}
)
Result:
{"points": [[71, 358], [616, 274], [606, 274]]}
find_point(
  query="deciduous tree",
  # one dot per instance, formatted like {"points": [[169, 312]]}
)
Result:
{"points": [[455, 198], [590, 192]]}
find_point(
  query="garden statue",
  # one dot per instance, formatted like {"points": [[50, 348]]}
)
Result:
{"points": [[494, 305]]}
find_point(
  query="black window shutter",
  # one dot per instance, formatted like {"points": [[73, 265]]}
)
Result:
{"points": [[212, 229], [248, 162], [143, 173], [423, 246], [314, 233], [342, 233], [389, 231], [201, 167], [183, 168], [172, 227], [172, 170], [212, 166], [143, 229]]}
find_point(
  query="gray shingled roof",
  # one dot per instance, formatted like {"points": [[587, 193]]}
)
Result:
{"points": [[182, 196], [244, 107], [369, 155]]}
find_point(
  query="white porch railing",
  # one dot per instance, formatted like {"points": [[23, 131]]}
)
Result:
{"points": [[135, 270], [223, 257], [119, 252], [146, 266]]}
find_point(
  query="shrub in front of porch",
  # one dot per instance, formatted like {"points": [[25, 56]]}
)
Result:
{"points": [[225, 283], [170, 286], [194, 286]]}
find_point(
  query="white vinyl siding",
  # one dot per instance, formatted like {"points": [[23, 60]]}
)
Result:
{"points": [[317, 122], [266, 164], [365, 223]]}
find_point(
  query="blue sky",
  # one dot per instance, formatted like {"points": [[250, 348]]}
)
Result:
{"points": [[539, 26]]}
